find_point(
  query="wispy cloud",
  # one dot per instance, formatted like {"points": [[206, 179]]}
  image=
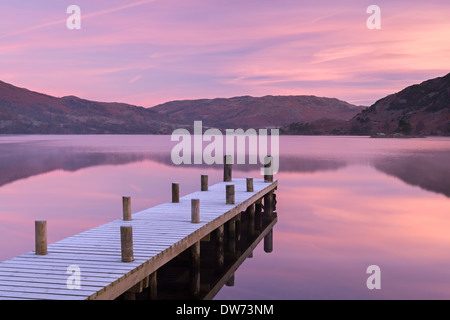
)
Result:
{"points": [[135, 79]]}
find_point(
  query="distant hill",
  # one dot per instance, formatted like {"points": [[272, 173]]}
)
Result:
{"points": [[258, 112], [421, 109], [25, 111], [29, 112]]}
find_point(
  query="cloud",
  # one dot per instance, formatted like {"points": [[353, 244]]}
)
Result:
{"points": [[135, 79]]}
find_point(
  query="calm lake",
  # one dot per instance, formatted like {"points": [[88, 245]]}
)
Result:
{"points": [[343, 204]]}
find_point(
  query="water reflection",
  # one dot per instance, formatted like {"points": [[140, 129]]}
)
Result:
{"points": [[19, 160], [430, 171]]}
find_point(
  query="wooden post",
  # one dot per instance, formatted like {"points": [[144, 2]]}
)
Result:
{"points": [[126, 239], [268, 205], [249, 184], [204, 181], [219, 238], [195, 210], [153, 286], [250, 212], [238, 226], [175, 192], [258, 214], [268, 170], [231, 236], [230, 193], [227, 168], [126, 203], [268, 242], [40, 228], [195, 268]]}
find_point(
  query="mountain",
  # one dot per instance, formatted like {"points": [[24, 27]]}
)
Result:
{"points": [[258, 112], [25, 111], [420, 109]]}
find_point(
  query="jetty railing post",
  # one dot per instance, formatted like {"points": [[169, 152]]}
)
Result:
{"points": [[227, 168], [126, 240], [126, 203], [268, 169], [204, 182], [230, 194], [195, 210], [175, 192], [249, 184], [40, 227]]}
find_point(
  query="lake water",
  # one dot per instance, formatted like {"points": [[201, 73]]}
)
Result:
{"points": [[343, 204]]}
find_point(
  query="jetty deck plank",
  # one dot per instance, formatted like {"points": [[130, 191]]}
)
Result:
{"points": [[159, 234]]}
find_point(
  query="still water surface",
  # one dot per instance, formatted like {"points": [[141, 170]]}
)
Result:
{"points": [[343, 204]]}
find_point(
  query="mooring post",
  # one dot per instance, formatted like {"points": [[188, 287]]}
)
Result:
{"points": [[204, 182], [268, 241], [175, 192], [249, 184], [126, 240], [227, 168], [126, 203], [195, 210], [40, 228], [268, 169], [230, 194]]}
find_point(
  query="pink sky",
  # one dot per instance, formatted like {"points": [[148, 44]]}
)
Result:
{"points": [[151, 51]]}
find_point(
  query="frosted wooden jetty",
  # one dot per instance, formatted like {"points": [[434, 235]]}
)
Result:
{"points": [[122, 257]]}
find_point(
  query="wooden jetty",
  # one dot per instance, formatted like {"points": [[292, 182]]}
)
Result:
{"points": [[121, 259]]}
